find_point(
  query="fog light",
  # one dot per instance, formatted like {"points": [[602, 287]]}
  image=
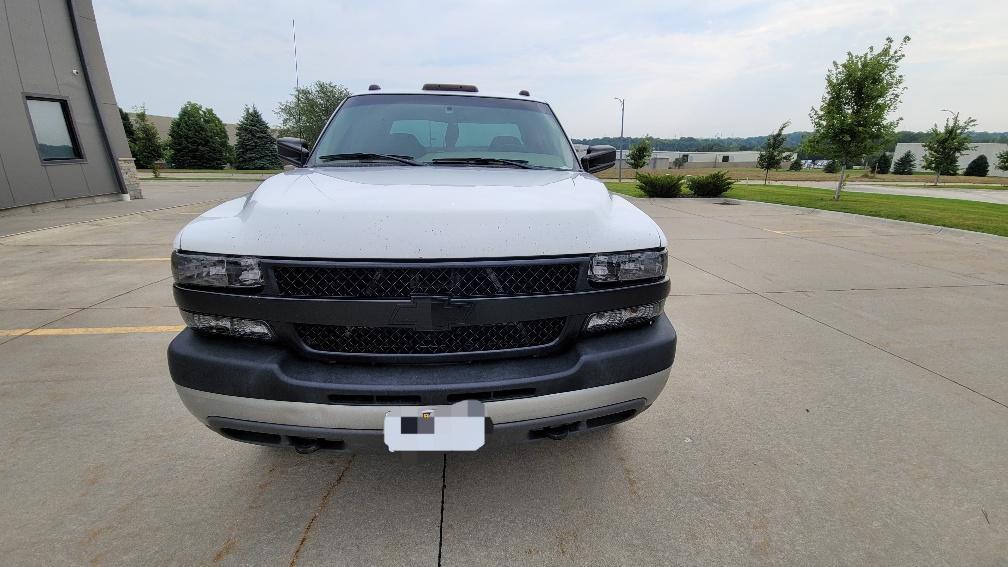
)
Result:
{"points": [[229, 326], [622, 318]]}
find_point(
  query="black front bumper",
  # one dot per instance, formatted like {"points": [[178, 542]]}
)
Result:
{"points": [[273, 372]]}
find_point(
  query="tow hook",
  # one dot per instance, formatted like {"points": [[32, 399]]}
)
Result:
{"points": [[306, 446], [557, 433]]}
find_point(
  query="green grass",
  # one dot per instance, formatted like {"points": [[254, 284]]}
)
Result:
{"points": [[629, 188], [991, 218]]}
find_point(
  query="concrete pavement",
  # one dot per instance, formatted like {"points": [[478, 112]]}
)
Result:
{"points": [[838, 398]]}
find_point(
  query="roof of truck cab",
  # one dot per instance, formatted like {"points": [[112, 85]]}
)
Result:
{"points": [[513, 96]]}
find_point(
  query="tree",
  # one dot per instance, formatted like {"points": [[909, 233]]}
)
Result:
{"points": [[883, 164], [639, 154], [979, 167], [861, 93], [147, 147], [130, 131], [679, 162], [221, 146], [796, 165], [1002, 161], [830, 167], [197, 138], [906, 164], [773, 154], [944, 146], [255, 148], [305, 114]]}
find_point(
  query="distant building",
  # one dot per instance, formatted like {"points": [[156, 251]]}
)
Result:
{"points": [[61, 138], [662, 159], [989, 150], [712, 159]]}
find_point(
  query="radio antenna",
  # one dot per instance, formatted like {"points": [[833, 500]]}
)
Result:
{"points": [[297, 82]]}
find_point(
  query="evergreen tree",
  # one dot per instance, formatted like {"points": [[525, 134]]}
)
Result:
{"points": [[831, 167], [147, 148], [905, 164], [796, 165], [130, 131], [978, 167], [255, 148], [197, 139], [1002, 161], [883, 164]]}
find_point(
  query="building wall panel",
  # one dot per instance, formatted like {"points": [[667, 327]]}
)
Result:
{"points": [[24, 172]]}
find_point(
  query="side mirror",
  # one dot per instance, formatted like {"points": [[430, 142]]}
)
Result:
{"points": [[292, 150], [598, 158]]}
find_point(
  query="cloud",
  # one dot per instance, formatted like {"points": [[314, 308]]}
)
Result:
{"points": [[734, 68]]}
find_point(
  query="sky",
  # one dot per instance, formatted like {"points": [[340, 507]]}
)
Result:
{"points": [[703, 69]]}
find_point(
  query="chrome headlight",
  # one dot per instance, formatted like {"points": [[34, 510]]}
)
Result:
{"points": [[216, 271], [628, 266]]}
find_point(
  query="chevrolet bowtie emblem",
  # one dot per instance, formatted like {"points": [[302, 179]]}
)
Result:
{"points": [[431, 314]]}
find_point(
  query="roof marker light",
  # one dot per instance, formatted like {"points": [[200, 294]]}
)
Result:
{"points": [[450, 87]]}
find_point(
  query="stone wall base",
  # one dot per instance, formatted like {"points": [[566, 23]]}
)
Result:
{"points": [[127, 167]]}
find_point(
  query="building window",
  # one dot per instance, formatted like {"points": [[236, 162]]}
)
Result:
{"points": [[53, 127], [724, 159]]}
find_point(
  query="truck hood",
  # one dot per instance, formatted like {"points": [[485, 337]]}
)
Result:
{"points": [[401, 212]]}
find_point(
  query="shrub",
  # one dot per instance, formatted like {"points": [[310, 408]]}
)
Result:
{"points": [[796, 165], [831, 167], [978, 167], [654, 185], [710, 185]]}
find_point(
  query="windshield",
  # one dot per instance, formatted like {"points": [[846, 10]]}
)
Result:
{"points": [[454, 131]]}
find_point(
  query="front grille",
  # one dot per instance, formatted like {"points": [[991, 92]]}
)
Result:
{"points": [[404, 282], [398, 340]]}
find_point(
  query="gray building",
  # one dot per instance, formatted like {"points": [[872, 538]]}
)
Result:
{"points": [[61, 138], [991, 150]]}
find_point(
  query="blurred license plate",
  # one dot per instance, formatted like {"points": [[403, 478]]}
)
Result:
{"points": [[458, 427]]}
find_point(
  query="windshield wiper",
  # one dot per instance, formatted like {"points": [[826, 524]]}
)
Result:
{"points": [[369, 157], [482, 161]]}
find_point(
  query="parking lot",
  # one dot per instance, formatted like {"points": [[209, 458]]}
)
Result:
{"points": [[840, 396]]}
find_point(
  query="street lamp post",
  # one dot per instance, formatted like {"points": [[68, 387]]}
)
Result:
{"points": [[621, 108]]}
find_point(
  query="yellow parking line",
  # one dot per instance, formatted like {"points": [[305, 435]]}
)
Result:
{"points": [[53, 331], [128, 259]]}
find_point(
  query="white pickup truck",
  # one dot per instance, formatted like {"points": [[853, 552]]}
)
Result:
{"points": [[439, 272]]}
